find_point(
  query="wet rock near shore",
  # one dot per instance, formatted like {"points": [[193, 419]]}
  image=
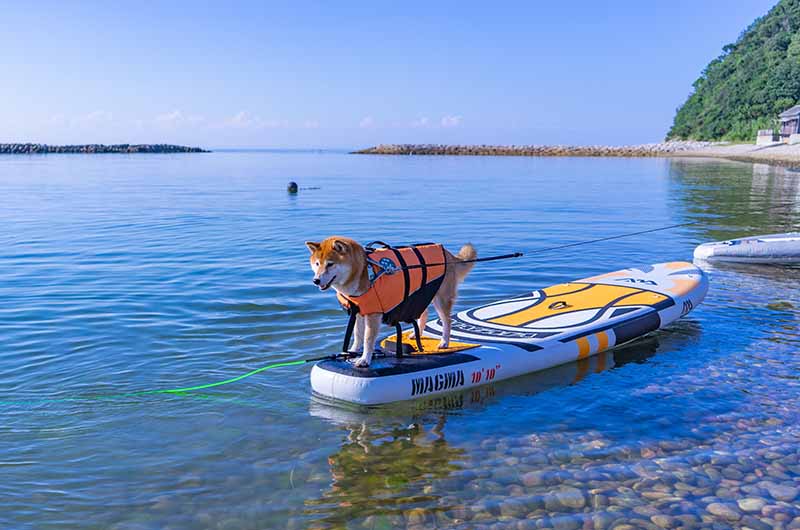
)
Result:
{"points": [[35, 149], [654, 149]]}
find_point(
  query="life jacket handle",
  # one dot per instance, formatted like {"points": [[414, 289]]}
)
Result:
{"points": [[371, 245]]}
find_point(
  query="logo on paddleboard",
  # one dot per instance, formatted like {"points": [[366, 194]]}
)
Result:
{"points": [[637, 280], [437, 383], [466, 327], [687, 306]]}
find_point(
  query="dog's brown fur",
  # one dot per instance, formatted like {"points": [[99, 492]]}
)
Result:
{"points": [[341, 263]]}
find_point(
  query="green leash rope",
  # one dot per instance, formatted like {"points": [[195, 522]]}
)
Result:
{"points": [[227, 381], [181, 390]]}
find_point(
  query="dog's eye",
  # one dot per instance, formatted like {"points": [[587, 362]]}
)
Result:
{"points": [[329, 264], [317, 264]]}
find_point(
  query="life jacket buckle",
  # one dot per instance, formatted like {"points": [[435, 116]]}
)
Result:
{"points": [[384, 266]]}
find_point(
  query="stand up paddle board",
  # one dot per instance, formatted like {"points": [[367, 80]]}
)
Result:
{"points": [[771, 249], [526, 334]]}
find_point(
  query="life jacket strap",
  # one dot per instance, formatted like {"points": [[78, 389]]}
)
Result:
{"points": [[348, 334], [417, 336], [398, 350]]}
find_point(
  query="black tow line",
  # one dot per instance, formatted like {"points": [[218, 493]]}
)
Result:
{"points": [[550, 249], [457, 261]]}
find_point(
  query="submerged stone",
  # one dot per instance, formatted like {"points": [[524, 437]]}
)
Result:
{"points": [[782, 493], [568, 498], [751, 504], [724, 510]]}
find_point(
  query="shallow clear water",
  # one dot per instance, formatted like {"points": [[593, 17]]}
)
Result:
{"points": [[127, 273]]}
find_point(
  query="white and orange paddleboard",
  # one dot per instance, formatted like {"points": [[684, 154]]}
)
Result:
{"points": [[529, 333]]}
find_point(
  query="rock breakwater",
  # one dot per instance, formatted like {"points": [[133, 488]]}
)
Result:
{"points": [[33, 149], [654, 149]]}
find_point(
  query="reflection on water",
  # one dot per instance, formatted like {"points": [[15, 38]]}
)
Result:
{"points": [[736, 199], [781, 185], [128, 273], [383, 471]]}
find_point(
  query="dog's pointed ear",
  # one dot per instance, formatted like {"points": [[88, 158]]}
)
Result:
{"points": [[312, 247], [340, 246]]}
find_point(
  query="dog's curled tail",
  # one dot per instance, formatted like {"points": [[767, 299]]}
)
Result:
{"points": [[466, 253]]}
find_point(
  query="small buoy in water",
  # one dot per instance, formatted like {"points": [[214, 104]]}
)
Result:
{"points": [[292, 187]]}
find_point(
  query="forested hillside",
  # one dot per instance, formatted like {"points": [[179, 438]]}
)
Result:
{"points": [[746, 87]]}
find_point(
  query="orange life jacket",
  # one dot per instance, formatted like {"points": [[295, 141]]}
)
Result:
{"points": [[400, 294]]}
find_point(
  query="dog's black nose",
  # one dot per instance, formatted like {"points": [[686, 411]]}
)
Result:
{"points": [[316, 281]]}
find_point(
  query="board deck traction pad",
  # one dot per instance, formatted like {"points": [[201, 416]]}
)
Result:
{"points": [[430, 345], [528, 311], [574, 320]]}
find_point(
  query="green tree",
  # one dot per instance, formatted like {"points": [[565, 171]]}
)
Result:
{"points": [[749, 84]]}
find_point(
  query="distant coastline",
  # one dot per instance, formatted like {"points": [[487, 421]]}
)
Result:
{"points": [[777, 153], [40, 149], [655, 149]]}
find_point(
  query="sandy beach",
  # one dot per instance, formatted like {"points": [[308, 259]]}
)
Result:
{"points": [[778, 153]]}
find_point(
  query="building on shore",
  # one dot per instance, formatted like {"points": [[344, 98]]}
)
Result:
{"points": [[790, 125]]}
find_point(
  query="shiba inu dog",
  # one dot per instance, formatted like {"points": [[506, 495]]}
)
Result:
{"points": [[345, 265]]}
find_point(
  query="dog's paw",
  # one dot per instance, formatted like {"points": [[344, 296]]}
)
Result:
{"points": [[443, 344], [362, 362]]}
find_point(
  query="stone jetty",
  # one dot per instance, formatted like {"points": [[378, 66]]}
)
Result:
{"points": [[35, 149], [654, 149]]}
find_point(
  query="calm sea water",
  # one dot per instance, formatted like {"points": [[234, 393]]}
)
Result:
{"points": [[128, 273]]}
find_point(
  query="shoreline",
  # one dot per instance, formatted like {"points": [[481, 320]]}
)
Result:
{"points": [[776, 154], [43, 149]]}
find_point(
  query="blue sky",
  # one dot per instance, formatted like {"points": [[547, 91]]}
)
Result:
{"points": [[339, 75]]}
